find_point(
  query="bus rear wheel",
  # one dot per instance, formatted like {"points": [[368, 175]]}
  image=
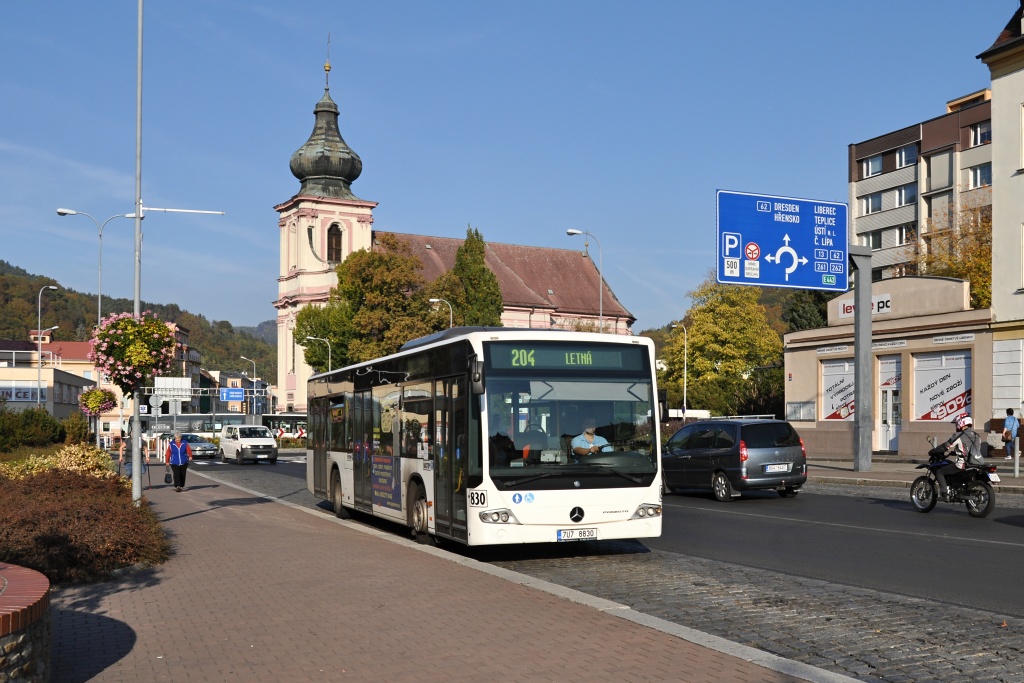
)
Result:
{"points": [[417, 511], [339, 510]]}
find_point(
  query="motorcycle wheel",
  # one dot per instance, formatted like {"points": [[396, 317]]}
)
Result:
{"points": [[923, 494], [981, 499]]}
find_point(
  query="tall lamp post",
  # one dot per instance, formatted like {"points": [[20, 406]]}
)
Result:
{"points": [[99, 227], [39, 341], [685, 355], [451, 311], [253, 382], [325, 341], [600, 271]]}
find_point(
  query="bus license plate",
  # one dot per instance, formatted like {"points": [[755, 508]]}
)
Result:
{"points": [[776, 468], [577, 534]]}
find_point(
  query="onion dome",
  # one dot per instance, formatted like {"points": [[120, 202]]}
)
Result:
{"points": [[325, 165]]}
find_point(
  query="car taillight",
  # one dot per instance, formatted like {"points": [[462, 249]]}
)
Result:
{"points": [[803, 450], [743, 451]]}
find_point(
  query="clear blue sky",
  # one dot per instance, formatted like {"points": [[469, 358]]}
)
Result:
{"points": [[521, 119]]}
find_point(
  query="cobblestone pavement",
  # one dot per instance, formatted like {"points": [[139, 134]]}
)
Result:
{"points": [[867, 634]]}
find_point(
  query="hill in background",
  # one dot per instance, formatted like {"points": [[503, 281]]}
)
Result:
{"points": [[218, 341]]}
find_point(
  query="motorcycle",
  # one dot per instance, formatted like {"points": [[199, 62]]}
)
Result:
{"points": [[971, 486]]}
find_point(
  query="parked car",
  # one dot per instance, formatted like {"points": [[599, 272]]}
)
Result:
{"points": [[732, 455], [201, 448], [247, 442]]}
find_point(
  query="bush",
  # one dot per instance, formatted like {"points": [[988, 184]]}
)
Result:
{"points": [[76, 527], [76, 428]]}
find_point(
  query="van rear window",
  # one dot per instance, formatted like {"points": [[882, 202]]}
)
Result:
{"points": [[769, 435]]}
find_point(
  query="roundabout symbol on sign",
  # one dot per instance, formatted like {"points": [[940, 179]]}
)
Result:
{"points": [[753, 251]]}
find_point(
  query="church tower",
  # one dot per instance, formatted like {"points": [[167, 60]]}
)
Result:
{"points": [[320, 226]]}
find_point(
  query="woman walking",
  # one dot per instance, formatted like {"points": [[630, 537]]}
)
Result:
{"points": [[178, 454]]}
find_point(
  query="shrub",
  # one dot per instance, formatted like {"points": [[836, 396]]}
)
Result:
{"points": [[76, 428], [39, 428], [81, 459], [75, 527]]}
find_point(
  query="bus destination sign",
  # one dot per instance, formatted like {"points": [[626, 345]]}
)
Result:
{"points": [[540, 356]]}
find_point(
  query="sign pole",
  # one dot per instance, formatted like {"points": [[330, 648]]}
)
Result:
{"points": [[863, 416]]}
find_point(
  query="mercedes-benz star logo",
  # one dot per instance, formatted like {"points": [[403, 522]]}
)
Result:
{"points": [[576, 514]]}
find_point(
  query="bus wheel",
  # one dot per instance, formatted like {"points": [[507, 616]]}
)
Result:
{"points": [[339, 510], [417, 511]]}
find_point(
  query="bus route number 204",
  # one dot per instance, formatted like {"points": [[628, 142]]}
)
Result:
{"points": [[522, 358], [477, 499]]}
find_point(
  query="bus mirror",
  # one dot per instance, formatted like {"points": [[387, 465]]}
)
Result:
{"points": [[476, 376], [663, 404]]}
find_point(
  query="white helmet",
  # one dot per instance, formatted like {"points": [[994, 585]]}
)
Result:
{"points": [[963, 422]]}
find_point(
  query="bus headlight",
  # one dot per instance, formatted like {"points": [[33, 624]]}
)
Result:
{"points": [[499, 516], [647, 510]]}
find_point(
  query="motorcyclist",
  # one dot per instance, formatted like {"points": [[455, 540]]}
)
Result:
{"points": [[964, 445]]}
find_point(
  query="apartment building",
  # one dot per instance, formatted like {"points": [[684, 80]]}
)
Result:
{"points": [[914, 186]]}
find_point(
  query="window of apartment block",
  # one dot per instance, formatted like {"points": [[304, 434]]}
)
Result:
{"points": [[875, 239], [872, 165], [981, 133], [981, 175], [871, 203], [906, 156], [906, 194], [876, 274], [908, 233]]}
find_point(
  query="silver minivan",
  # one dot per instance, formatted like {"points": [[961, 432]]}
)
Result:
{"points": [[247, 442], [732, 455]]}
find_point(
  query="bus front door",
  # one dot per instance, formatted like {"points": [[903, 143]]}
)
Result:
{"points": [[450, 408], [319, 435]]}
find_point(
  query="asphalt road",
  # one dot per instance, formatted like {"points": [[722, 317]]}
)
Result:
{"points": [[864, 541]]}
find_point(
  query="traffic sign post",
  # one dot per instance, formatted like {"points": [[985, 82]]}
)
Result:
{"points": [[771, 241]]}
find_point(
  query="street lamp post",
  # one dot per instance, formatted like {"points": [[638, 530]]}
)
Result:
{"points": [[253, 382], [329, 366], [685, 355], [600, 271], [99, 227], [39, 341], [451, 311]]}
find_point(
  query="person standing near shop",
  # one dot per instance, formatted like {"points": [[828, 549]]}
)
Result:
{"points": [[178, 454], [1010, 426]]}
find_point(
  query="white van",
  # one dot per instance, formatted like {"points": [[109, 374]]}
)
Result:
{"points": [[247, 442]]}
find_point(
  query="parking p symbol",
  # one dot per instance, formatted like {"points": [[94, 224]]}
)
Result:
{"points": [[731, 244]]}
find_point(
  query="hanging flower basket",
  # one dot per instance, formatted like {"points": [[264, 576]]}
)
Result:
{"points": [[132, 350], [95, 402]]}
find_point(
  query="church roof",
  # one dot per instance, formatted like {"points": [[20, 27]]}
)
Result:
{"points": [[565, 281]]}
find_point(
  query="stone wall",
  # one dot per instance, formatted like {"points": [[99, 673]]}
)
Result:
{"points": [[24, 625]]}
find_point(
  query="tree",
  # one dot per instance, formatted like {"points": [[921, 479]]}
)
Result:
{"points": [[958, 245], [806, 309], [481, 293], [378, 305], [730, 341]]}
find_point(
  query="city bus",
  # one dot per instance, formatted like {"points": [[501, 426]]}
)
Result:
{"points": [[466, 435], [286, 425]]}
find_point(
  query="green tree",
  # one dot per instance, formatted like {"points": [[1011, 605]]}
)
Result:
{"points": [[730, 340], [482, 299], [378, 305], [806, 309], [333, 322]]}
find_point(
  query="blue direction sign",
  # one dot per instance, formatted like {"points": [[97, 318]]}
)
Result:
{"points": [[232, 394], [782, 242]]}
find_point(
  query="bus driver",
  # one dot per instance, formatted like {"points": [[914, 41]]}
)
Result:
{"points": [[588, 442]]}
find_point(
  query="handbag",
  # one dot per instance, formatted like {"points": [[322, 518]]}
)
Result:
{"points": [[1007, 436], [167, 476]]}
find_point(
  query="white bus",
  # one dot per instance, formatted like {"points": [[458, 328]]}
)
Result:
{"points": [[466, 435]]}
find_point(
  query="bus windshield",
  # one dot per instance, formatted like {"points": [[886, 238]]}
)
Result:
{"points": [[556, 413]]}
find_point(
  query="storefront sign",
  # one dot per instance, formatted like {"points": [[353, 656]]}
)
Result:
{"points": [[837, 390], [892, 344], [953, 338], [842, 348], [943, 382], [880, 305]]}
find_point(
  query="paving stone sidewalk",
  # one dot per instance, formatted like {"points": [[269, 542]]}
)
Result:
{"points": [[260, 591]]}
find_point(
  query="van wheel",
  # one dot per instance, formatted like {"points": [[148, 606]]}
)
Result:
{"points": [[238, 458], [721, 487], [222, 457], [340, 511]]}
